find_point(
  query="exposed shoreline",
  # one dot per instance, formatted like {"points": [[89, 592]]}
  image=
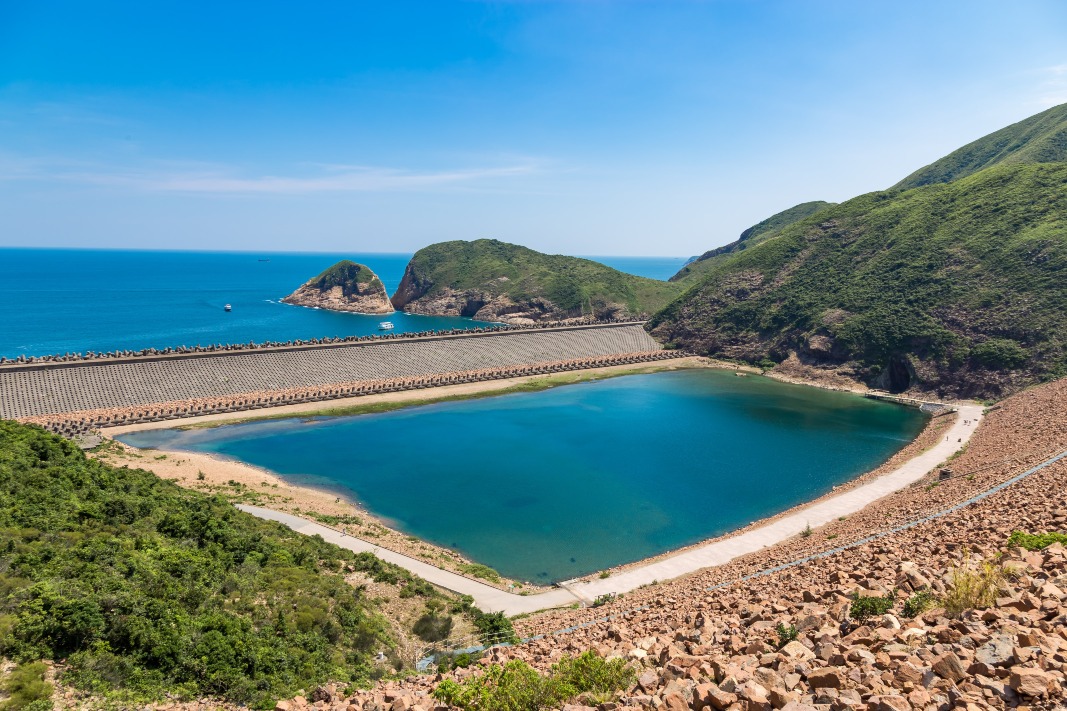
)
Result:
{"points": [[244, 483], [261, 487]]}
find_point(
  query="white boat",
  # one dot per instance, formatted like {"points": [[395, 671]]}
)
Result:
{"points": [[385, 326], [227, 307]]}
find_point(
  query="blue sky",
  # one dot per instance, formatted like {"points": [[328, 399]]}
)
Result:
{"points": [[626, 128]]}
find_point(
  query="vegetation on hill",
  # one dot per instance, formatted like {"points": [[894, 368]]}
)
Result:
{"points": [[1038, 139], [351, 277], [507, 278], [145, 588], [958, 286], [754, 235]]}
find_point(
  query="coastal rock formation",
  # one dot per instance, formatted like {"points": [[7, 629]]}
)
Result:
{"points": [[494, 281], [346, 286]]}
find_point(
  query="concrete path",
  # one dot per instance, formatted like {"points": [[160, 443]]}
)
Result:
{"points": [[491, 599], [486, 597]]}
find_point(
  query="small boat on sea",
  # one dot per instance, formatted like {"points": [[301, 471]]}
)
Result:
{"points": [[227, 307], [385, 326]]}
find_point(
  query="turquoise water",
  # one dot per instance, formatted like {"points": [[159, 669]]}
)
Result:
{"points": [[60, 301], [550, 485]]}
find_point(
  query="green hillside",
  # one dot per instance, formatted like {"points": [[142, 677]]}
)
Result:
{"points": [[1038, 139], [955, 287], [485, 269], [147, 589], [752, 236]]}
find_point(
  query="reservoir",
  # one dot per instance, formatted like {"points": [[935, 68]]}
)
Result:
{"points": [[549, 485]]}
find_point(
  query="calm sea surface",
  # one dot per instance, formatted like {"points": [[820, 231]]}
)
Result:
{"points": [[550, 485], [59, 301]]}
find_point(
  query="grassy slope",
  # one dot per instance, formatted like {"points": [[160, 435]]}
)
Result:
{"points": [[146, 588], [966, 277], [754, 235], [569, 282], [1039, 139], [352, 277]]}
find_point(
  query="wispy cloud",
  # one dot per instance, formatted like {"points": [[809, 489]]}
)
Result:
{"points": [[1054, 86], [221, 180]]}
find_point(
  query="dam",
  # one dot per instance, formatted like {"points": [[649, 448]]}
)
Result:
{"points": [[125, 390]]}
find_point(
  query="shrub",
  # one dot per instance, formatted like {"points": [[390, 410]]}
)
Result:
{"points": [[999, 353], [604, 599], [864, 608], [919, 603], [975, 588], [493, 627], [432, 628], [785, 634], [516, 686], [27, 689], [477, 570], [1036, 541]]}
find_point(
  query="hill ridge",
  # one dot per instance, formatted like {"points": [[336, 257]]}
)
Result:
{"points": [[1041, 138]]}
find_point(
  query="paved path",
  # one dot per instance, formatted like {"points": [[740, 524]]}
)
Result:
{"points": [[717, 553], [486, 597]]}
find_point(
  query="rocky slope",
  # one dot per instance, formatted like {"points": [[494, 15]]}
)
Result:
{"points": [[712, 642], [954, 288], [490, 280], [346, 286]]}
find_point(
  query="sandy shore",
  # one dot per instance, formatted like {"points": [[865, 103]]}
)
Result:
{"points": [[244, 483]]}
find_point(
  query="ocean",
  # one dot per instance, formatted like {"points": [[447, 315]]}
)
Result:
{"points": [[73, 301], [550, 485]]}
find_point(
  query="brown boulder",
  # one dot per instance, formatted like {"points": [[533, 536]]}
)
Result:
{"points": [[826, 678], [1030, 682]]}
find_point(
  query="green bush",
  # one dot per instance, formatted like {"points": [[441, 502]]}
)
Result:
{"points": [[999, 353], [478, 570], [864, 608], [432, 627], [516, 686], [786, 634], [493, 627], [1036, 541], [26, 688], [919, 603]]}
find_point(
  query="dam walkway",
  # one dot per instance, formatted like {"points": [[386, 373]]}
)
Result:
{"points": [[715, 553]]}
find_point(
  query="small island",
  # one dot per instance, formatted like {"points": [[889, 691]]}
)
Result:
{"points": [[346, 286]]}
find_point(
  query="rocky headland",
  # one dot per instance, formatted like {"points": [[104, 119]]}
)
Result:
{"points": [[488, 280], [346, 286]]}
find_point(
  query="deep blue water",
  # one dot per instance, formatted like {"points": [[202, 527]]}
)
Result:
{"points": [[546, 486], [59, 301]]}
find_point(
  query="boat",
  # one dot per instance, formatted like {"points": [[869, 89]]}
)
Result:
{"points": [[227, 307], [385, 326]]}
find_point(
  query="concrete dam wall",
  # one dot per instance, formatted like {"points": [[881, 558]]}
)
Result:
{"points": [[47, 389]]}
